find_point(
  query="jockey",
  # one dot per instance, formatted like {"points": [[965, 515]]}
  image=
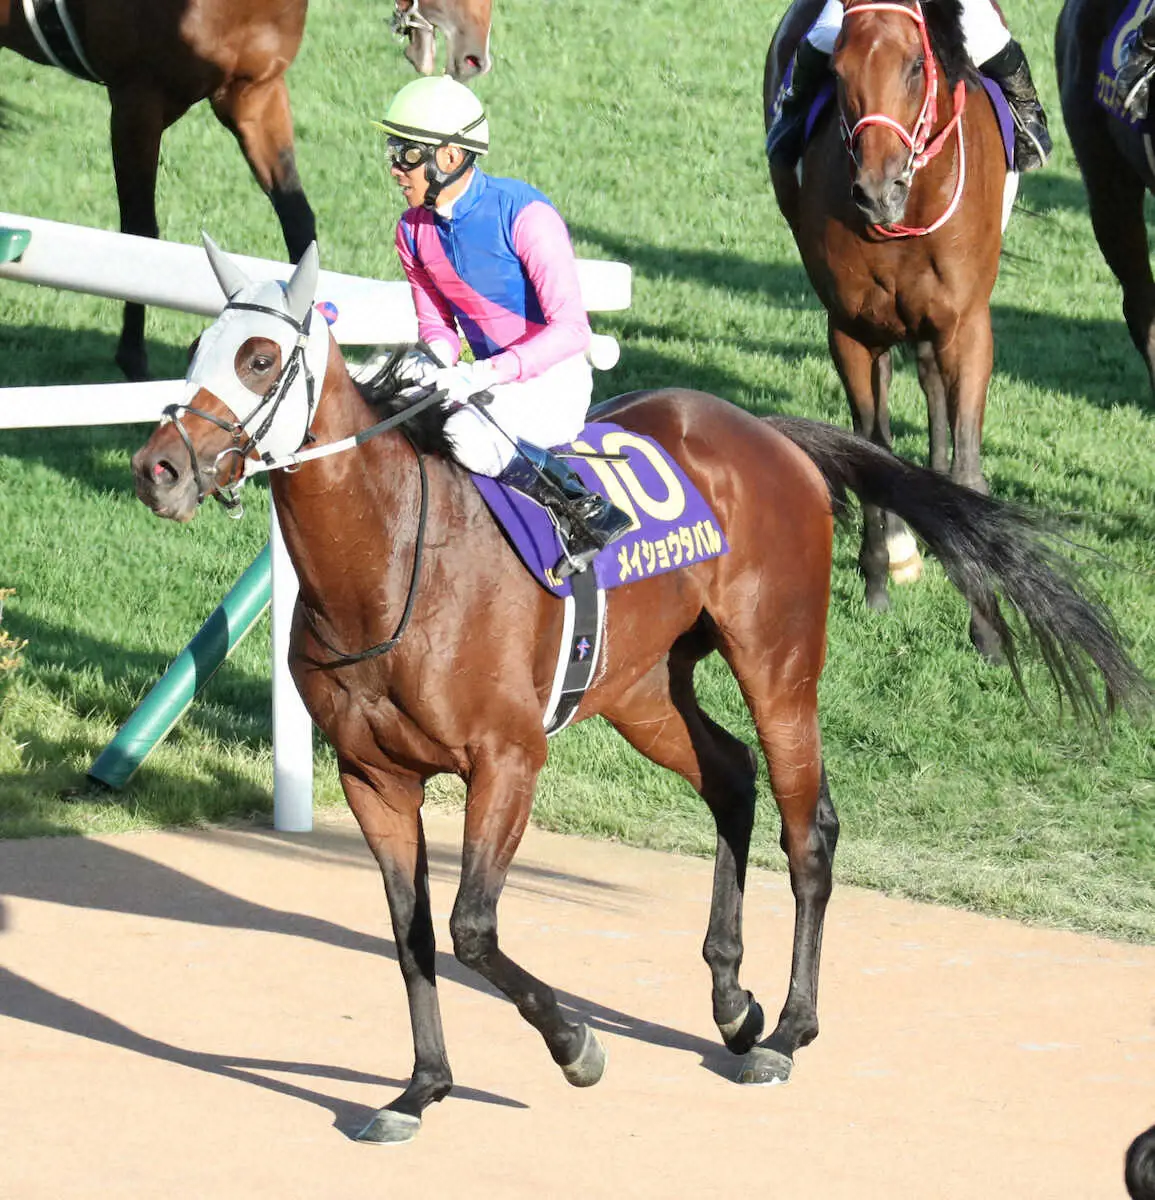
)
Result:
{"points": [[989, 45], [493, 257]]}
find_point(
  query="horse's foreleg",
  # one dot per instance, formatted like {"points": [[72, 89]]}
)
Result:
{"points": [[660, 717], [858, 368], [496, 812], [965, 362], [259, 116], [388, 809], [930, 380], [138, 119]]}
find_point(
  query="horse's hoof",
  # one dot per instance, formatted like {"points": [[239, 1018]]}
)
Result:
{"points": [[590, 1064], [389, 1128], [765, 1067], [907, 571], [741, 1033], [905, 560]]}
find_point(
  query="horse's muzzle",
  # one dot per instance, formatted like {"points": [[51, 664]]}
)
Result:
{"points": [[881, 201], [165, 487]]}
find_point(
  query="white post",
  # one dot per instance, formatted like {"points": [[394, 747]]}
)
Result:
{"points": [[292, 726]]}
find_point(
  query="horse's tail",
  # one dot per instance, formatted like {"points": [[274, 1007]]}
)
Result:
{"points": [[987, 546]]}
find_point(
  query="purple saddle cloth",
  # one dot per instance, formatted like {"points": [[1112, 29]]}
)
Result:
{"points": [[673, 524], [1002, 112], [1107, 93]]}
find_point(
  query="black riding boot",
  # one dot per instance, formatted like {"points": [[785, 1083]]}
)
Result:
{"points": [[1010, 71], [785, 136], [1136, 70], [588, 522]]}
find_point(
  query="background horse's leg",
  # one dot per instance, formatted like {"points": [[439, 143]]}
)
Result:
{"points": [[933, 388], [497, 808], [903, 559], [857, 368], [783, 700], [660, 718], [140, 114], [1115, 195], [388, 809], [965, 359], [259, 116]]}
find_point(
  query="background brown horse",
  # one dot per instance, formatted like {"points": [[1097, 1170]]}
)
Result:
{"points": [[931, 292], [158, 58], [463, 687], [1116, 168]]}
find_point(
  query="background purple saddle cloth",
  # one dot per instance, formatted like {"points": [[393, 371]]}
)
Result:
{"points": [[673, 525]]}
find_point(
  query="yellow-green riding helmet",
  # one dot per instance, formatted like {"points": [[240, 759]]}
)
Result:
{"points": [[438, 111]]}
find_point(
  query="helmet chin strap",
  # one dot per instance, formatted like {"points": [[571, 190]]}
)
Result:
{"points": [[437, 179]]}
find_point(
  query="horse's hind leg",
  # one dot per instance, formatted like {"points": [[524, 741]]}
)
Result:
{"points": [[388, 810], [660, 718], [258, 115], [781, 691], [497, 809]]}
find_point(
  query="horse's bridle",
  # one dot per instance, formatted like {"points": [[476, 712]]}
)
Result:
{"points": [[244, 442], [920, 148], [409, 19]]}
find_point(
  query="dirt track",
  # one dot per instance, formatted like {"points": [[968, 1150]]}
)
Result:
{"points": [[212, 1014]]}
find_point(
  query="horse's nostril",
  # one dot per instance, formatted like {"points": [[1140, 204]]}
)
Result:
{"points": [[164, 473], [471, 60]]}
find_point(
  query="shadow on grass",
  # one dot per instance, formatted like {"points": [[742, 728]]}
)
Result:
{"points": [[101, 875], [123, 676]]}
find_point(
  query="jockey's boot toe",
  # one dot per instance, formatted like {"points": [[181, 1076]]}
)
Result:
{"points": [[594, 523], [1032, 139]]}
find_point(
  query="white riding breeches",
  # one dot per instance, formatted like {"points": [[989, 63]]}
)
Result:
{"points": [[983, 29], [546, 411]]}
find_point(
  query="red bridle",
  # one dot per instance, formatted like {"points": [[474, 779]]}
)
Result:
{"points": [[920, 148]]}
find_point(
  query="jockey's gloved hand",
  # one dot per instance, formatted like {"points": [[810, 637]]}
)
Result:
{"points": [[462, 382], [417, 369]]}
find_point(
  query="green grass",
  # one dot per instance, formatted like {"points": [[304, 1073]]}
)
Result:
{"points": [[648, 137]]}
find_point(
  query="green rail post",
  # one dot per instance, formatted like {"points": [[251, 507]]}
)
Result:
{"points": [[171, 695], [13, 243]]}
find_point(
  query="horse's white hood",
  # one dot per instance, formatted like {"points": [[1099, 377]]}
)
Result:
{"points": [[278, 422]]}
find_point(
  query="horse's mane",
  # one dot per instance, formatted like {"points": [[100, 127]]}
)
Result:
{"points": [[944, 28], [387, 394]]}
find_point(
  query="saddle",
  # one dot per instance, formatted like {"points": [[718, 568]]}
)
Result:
{"points": [[673, 527]]}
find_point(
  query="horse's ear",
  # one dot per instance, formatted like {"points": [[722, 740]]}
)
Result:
{"points": [[231, 278], [301, 289]]}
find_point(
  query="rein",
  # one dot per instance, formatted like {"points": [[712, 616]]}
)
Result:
{"points": [[920, 147], [174, 413]]}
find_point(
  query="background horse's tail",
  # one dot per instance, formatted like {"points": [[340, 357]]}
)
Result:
{"points": [[988, 546]]}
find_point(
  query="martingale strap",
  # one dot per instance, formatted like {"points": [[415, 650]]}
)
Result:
{"points": [[51, 26], [581, 643]]}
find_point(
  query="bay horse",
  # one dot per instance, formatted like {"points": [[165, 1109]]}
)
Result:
{"points": [[159, 59], [897, 212], [421, 645], [1114, 159]]}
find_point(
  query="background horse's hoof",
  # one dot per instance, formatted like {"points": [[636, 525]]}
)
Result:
{"points": [[741, 1033], [905, 560], [389, 1128], [765, 1067], [590, 1064]]}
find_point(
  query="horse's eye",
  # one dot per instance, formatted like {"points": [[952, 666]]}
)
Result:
{"points": [[917, 67], [262, 363]]}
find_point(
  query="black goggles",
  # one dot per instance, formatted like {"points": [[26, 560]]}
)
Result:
{"points": [[407, 155]]}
